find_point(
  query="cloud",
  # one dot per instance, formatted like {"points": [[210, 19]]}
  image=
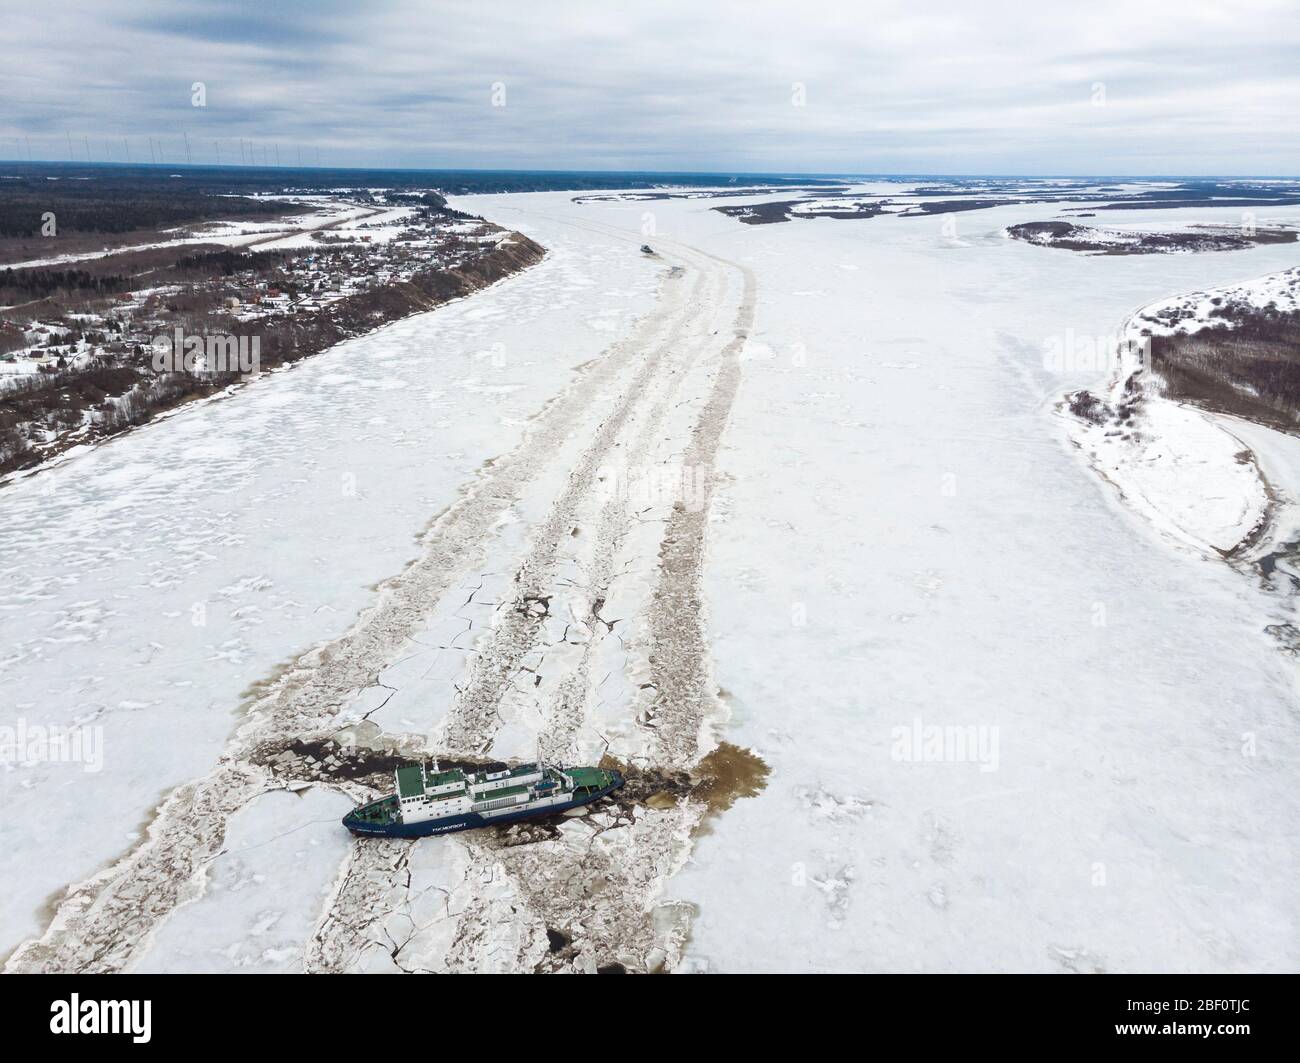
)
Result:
{"points": [[1107, 87]]}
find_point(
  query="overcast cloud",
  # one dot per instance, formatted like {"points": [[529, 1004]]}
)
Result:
{"points": [[934, 87]]}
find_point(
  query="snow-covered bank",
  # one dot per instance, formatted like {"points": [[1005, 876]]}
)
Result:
{"points": [[1182, 470], [1193, 311], [1185, 470]]}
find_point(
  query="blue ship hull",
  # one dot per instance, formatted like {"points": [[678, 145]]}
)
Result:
{"points": [[471, 820]]}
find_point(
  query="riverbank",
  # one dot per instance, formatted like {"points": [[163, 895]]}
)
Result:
{"points": [[143, 396], [1156, 432]]}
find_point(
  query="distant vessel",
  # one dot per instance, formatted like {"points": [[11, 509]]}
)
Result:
{"points": [[442, 802]]}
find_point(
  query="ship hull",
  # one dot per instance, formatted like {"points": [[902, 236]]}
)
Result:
{"points": [[470, 820]]}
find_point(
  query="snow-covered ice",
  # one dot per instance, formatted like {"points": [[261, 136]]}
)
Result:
{"points": [[902, 541], [150, 582], [261, 897]]}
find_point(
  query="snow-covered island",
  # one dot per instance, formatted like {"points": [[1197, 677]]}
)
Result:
{"points": [[1098, 240]]}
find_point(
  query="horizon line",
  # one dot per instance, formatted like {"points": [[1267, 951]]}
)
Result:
{"points": [[801, 175]]}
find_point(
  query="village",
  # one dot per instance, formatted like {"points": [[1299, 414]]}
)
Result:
{"points": [[79, 361]]}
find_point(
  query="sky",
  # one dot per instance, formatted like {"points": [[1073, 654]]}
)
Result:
{"points": [[925, 86]]}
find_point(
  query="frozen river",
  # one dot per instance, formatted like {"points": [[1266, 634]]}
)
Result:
{"points": [[900, 538]]}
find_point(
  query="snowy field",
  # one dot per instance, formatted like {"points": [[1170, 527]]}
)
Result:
{"points": [[294, 231], [1010, 725]]}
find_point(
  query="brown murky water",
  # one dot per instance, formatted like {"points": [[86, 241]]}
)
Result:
{"points": [[728, 774], [719, 779]]}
